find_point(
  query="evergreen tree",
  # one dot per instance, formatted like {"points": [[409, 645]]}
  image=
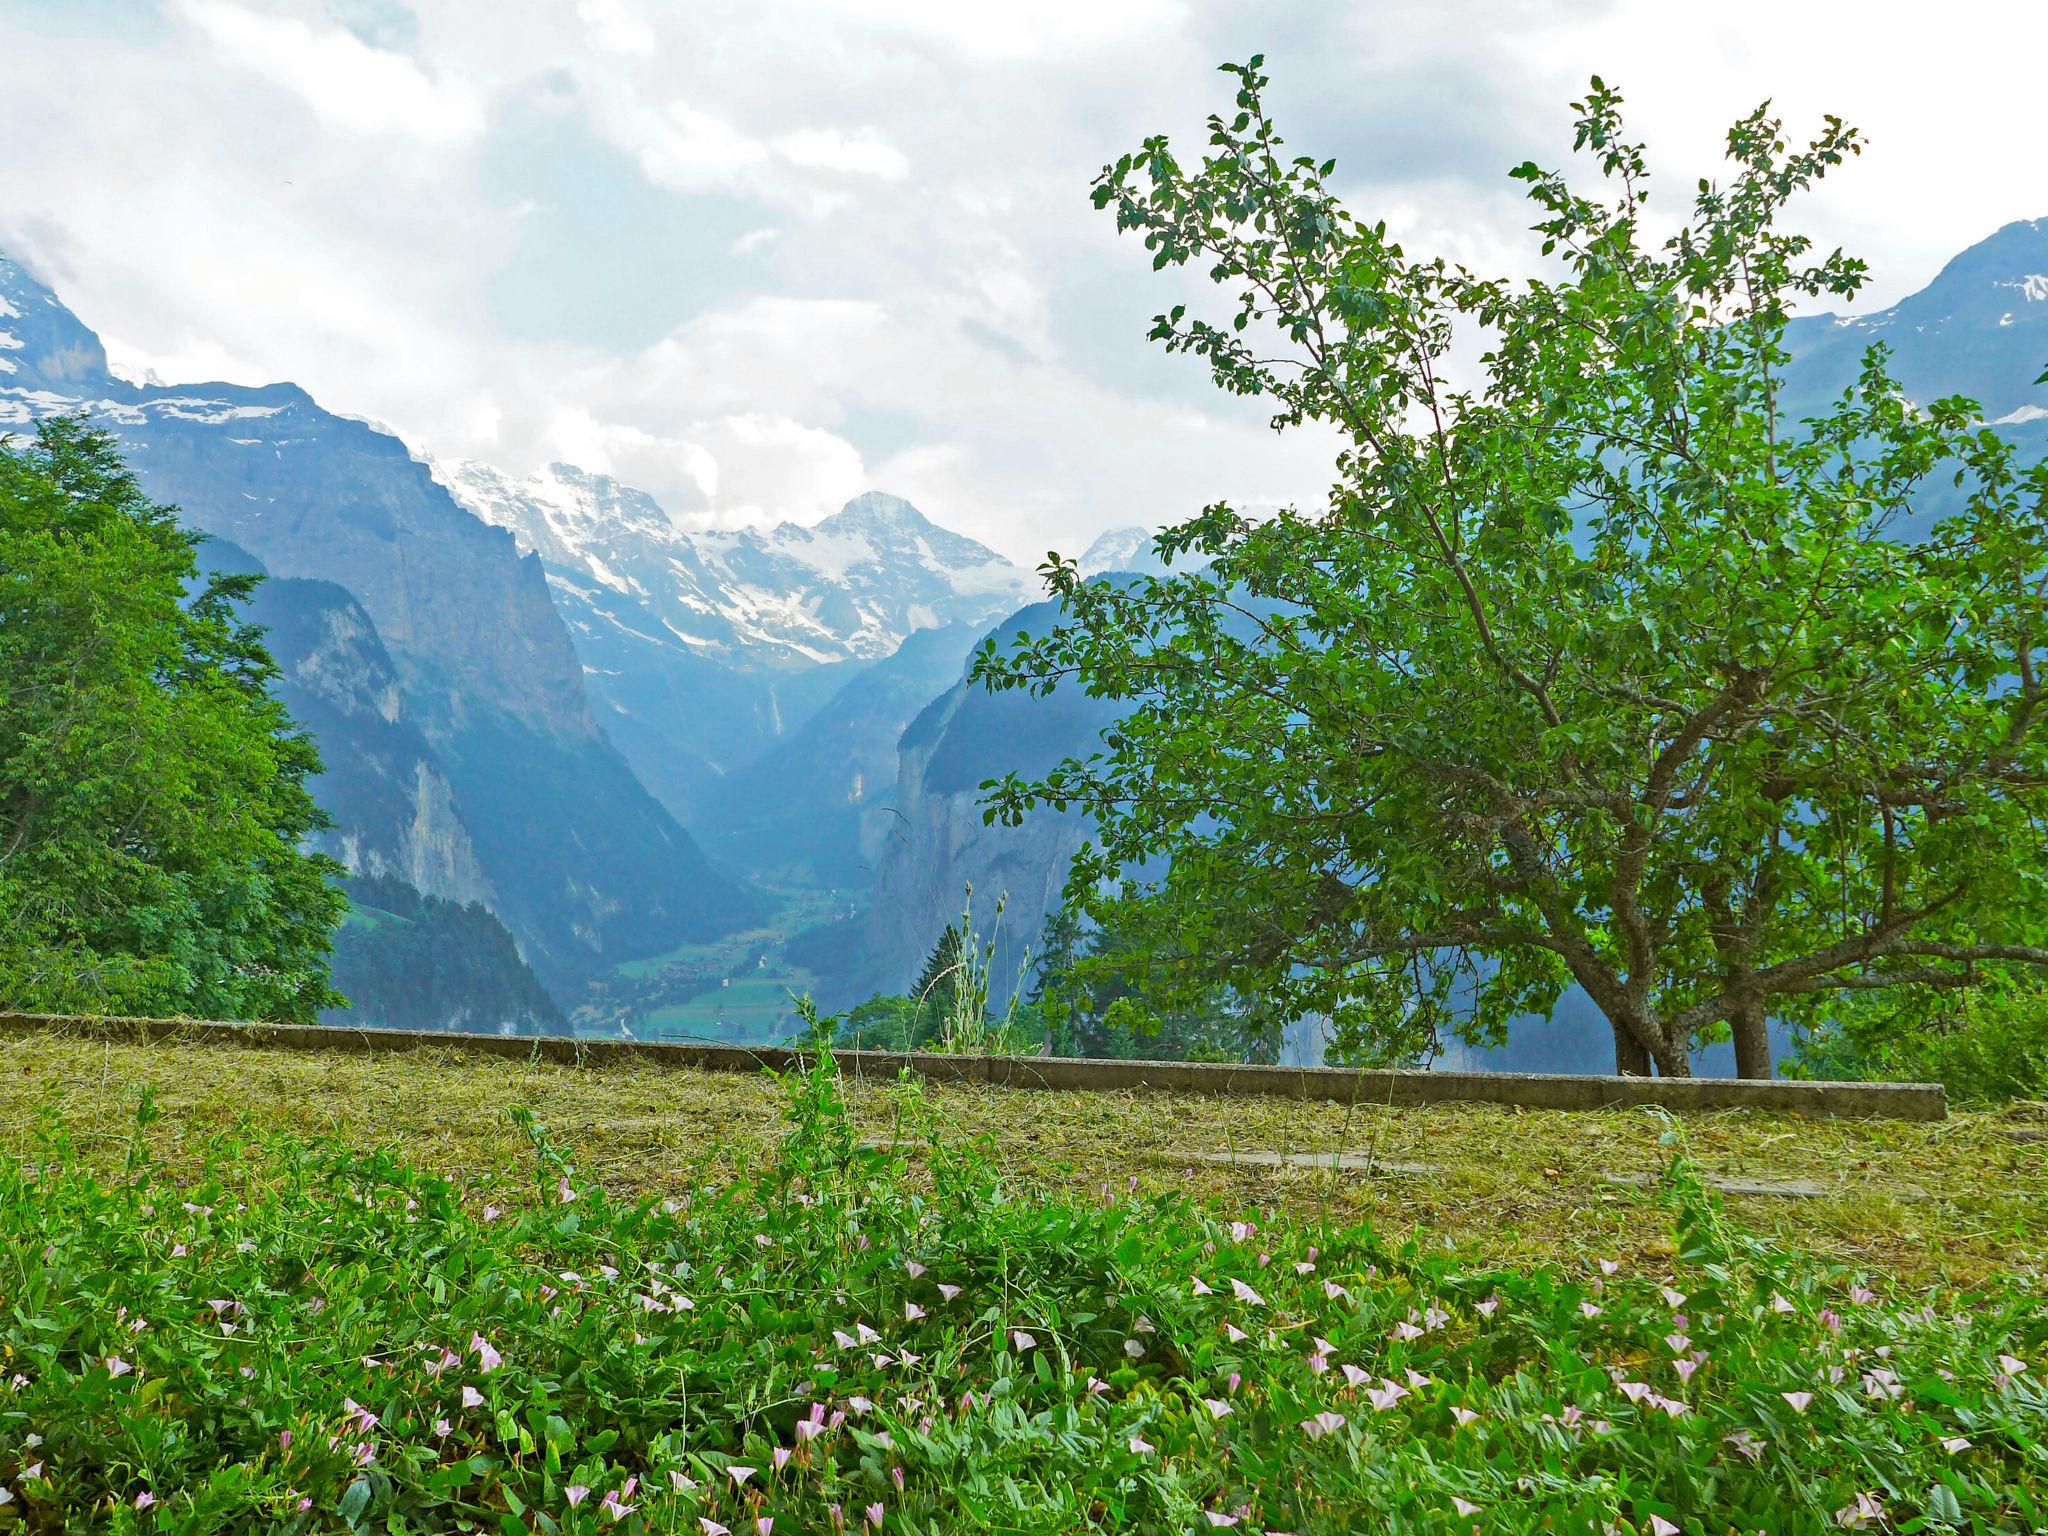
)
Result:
{"points": [[153, 801]]}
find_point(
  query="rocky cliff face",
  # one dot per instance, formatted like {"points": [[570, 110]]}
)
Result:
{"points": [[394, 811], [571, 851], [813, 808], [931, 842]]}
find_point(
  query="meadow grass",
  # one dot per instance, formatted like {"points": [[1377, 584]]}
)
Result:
{"points": [[1956, 1202], [209, 1330]]}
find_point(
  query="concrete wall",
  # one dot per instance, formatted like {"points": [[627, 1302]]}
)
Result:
{"points": [[1528, 1090]]}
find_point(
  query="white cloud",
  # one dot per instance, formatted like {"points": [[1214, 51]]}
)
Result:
{"points": [[346, 82], [861, 153], [864, 224], [617, 27], [689, 150], [1009, 32]]}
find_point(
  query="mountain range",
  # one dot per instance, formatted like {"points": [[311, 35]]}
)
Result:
{"points": [[467, 757], [703, 647], [547, 703]]}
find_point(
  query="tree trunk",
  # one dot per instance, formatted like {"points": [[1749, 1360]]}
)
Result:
{"points": [[1676, 1062], [1752, 1040], [1631, 1058]]}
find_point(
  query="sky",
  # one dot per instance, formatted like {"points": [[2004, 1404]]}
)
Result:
{"points": [[759, 257]]}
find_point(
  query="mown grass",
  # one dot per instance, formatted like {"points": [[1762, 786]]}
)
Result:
{"points": [[1957, 1202], [280, 1336]]}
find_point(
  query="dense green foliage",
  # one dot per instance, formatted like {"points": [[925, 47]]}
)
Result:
{"points": [[417, 962], [310, 1339], [1600, 672], [1986, 1045], [1089, 996], [152, 792]]}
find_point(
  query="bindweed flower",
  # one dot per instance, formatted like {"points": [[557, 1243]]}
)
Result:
{"points": [[1218, 1409], [116, 1366], [471, 1398], [1021, 1341], [949, 1291], [1464, 1506], [576, 1493], [1140, 1447], [1324, 1423], [739, 1475], [1798, 1400], [488, 1359], [144, 1499]]}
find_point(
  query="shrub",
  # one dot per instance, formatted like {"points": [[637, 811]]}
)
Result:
{"points": [[1988, 1045]]}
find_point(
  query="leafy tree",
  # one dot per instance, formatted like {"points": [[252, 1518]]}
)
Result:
{"points": [[1597, 671], [412, 961], [153, 794], [1089, 995]]}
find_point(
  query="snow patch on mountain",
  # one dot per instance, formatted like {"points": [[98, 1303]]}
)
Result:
{"points": [[1121, 549], [850, 587]]}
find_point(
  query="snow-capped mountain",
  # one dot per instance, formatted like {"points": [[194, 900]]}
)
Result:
{"points": [[704, 649], [1122, 549], [850, 588], [1979, 329]]}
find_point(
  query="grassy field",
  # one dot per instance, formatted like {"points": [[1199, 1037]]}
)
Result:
{"points": [[1956, 1202], [715, 1307]]}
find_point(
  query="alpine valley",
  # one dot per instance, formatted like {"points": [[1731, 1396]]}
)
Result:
{"points": [[594, 765]]}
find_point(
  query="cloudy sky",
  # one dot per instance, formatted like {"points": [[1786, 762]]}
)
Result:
{"points": [[758, 257]]}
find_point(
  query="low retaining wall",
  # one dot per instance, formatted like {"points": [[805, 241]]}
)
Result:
{"points": [[1526, 1090]]}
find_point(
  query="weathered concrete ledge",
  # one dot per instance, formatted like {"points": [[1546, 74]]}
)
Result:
{"points": [[1525, 1090]]}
